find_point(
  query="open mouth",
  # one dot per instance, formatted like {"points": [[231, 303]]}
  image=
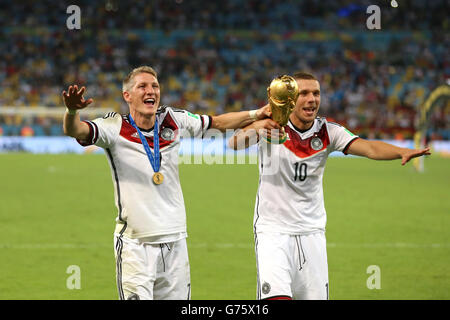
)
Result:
{"points": [[310, 110], [150, 102]]}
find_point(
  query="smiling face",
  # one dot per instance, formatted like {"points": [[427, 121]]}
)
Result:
{"points": [[143, 94], [308, 103]]}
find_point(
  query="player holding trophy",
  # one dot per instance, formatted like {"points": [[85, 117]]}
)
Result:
{"points": [[289, 217]]}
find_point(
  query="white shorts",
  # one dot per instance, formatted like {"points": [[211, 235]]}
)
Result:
{"points": [[147, 271], [291, 266]]}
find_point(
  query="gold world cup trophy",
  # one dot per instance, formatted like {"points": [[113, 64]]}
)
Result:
{"points": [[282, 93]]}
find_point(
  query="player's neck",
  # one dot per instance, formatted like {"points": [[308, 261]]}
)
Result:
{"points": [[299, 124], [143, 121]]}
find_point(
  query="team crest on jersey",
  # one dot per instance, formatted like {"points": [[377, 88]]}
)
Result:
{"points": [[265, 288], [167, 134], [316, 143]]}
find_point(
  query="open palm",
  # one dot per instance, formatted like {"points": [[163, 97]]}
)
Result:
{"points": [[414, 153], [73, 98]]}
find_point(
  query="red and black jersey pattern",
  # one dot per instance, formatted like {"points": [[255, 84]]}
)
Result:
{"points": [[302, 148], [129, 132]]}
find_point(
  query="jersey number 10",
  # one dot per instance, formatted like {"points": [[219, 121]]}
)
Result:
{"points": [[300, 171]]}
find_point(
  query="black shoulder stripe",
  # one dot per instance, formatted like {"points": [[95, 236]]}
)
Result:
{"points": [[161, 109], [178, 110], [109, 115]]}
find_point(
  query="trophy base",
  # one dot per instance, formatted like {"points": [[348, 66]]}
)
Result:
{"points": [[276, 141]]}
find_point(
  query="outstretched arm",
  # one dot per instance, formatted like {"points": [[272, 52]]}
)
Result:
{"points": [[378, 150], [74, 101], [235, 120]]}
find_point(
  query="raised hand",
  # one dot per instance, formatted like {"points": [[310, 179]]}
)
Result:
{"points": [[73, 98]]}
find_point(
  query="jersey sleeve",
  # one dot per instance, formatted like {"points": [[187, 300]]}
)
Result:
{"points": [[340, 137], [195, 124], [103, 132]]}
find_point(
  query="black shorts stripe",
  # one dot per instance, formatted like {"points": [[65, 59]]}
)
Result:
{"points": [[162, 257], [301, 253], [119, 247], [189, 292]]}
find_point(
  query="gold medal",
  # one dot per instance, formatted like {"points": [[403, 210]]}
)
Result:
{"points": [[158, 178]]}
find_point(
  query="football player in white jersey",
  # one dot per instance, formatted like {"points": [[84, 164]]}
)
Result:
{"points": [[142, 150], [290, 217]]}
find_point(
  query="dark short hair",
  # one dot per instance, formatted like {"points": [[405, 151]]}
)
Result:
{"points": [[304, 76]]}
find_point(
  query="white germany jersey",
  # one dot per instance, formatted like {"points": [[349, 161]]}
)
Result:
{"points": [[144, 208], [290, 194]]}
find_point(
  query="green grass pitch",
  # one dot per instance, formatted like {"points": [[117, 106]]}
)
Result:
{"points": [[58, 210]]}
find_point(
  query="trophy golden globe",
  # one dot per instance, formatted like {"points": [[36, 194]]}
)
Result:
{"points": [[282, 93]]}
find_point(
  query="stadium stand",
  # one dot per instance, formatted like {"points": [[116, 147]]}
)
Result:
{"points": [[214, 57]]}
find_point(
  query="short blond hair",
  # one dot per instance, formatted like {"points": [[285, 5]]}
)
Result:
{"points": [[127, 83]]}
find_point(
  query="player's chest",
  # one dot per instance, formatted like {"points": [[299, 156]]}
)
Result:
{"points": [[306, 146], [167, 132]]}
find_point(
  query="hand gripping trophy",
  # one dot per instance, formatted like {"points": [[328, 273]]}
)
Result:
{"points": [[282, 93]]}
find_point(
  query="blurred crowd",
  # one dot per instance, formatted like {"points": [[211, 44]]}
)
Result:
{"points": [[214, 57]]}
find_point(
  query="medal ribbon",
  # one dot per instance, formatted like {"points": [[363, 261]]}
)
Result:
{"points": [[154, 160]]}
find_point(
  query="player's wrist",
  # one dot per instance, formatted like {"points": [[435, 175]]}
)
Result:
{"points": [[71, 112], [253, 115]]}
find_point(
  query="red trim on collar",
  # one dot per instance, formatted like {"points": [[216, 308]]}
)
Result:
{"points": [[129, 132], [302, 148]]}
